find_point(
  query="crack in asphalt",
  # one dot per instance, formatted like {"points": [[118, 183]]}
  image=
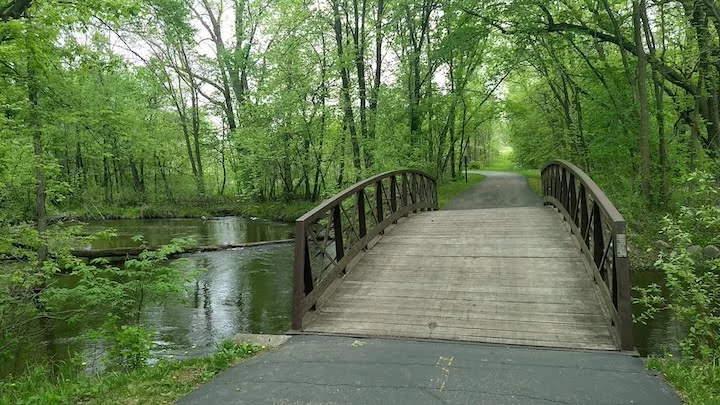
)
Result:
{"points": [[508, 363], [428, 390]]}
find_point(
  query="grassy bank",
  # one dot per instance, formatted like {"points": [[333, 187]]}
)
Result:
{"points": [[447, 190], [280, 211], [698, 382], [274, 210], [163, 383], [505, 164]]}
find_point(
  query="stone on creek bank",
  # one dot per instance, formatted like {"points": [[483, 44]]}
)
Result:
{"points": [[694, 250], [711, 252], [270, 341]]}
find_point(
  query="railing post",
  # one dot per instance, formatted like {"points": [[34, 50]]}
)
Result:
{"points": [[362, 226], [302, 277], [622, 283], [337, 229]]}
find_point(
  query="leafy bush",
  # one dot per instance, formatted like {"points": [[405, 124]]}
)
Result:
{"points": [[692, 282], [130, 347], [229, 351]]}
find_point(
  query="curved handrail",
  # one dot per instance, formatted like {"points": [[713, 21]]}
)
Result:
{"points": [[330, 235], [600, 230]]}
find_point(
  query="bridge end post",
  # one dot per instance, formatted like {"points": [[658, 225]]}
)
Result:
{"points": [[299, 274], [622, 280]]}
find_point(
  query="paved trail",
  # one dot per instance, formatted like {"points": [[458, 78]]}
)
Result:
{"points": [[498, 190], [337, 370]]}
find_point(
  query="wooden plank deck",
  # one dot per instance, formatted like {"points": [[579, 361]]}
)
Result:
{"points": [[501, 275]]}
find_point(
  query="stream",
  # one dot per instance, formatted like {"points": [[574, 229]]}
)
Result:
{"points": [[241, 290]]}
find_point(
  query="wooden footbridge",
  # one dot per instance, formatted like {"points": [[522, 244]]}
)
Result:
{"points": [[379, 259]]}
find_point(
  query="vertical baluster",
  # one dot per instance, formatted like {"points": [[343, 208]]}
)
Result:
{"points": [[362, 226], [563, 189], [393, 194], [572, 199], [337, 229], [404, 191], [598, 239], [584, 215], [379, 200], [413, 189]]}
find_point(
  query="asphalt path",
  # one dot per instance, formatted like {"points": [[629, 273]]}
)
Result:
{"points": [[498, 190], [337, 370]]}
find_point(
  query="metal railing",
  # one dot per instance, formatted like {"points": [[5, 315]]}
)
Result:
{"points": [[600, 230], [328, 237]]}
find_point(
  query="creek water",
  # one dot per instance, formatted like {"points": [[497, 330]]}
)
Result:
{"points": [[241, 291]]}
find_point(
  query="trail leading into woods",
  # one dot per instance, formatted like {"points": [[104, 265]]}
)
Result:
{"points": [[498, 190]]}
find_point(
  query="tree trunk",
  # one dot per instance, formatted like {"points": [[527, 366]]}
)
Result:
{"points": [[643, 101], [36, 127], [349, 117]]}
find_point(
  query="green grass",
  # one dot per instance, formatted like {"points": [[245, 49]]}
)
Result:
{"points": [[163, 383], [504, 164], [698, 382], [448, 190]]}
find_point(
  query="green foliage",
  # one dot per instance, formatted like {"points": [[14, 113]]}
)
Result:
{"points": [[129, 347], [121, 293], [698, 381], [692, 281], [34, 297], [228, 352], [162, 383]]}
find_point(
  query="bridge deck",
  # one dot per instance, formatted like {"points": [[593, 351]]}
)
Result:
{"points": [[501, 275]]}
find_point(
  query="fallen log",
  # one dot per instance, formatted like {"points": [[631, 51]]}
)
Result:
{"points": [[131, 252]]}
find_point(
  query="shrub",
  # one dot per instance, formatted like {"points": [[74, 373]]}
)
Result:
{"points": [[692, 282]]}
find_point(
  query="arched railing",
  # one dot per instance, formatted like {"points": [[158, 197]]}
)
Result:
{"points": [[600, 230], [331, 235]]}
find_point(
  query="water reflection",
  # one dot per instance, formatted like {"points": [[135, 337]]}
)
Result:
{"points": [[214, 231], [242, 291], [246, 290], [661, 334]]}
